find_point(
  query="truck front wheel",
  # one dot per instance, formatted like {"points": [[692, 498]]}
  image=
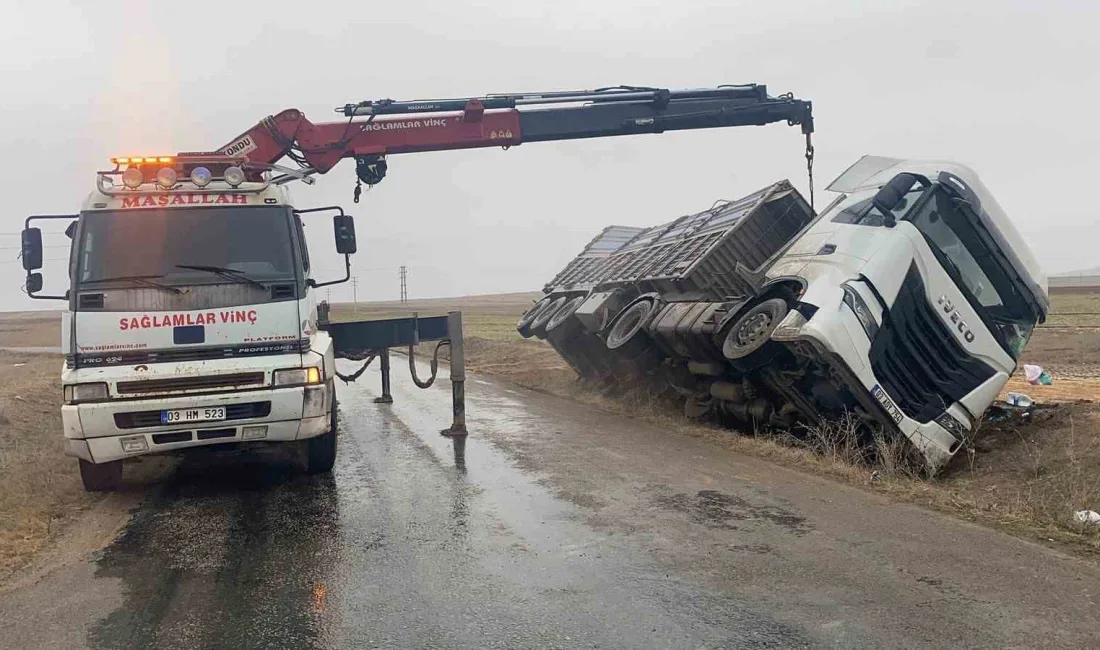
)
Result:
{"points": [[102, 477], [321, 451], [746, 342]]}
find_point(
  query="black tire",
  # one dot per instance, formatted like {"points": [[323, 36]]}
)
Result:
{"points": [[321, 451], [538, 326], [628, 323], [562, 315], [102, 477], [524, 324], [746, 342]]}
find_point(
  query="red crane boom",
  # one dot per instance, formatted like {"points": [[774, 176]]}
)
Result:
{"points": [[392, 127]]}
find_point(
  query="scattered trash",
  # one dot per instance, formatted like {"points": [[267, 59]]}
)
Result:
{"points": [[1019, 400], [20, 365], [1036, 376], [1087, 517], [874, 476]]}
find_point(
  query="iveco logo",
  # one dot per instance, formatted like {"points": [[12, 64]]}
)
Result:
{"points": [[955, 319]]}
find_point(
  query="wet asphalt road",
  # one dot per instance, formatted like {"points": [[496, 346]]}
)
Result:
{"points": [[558, 527]]}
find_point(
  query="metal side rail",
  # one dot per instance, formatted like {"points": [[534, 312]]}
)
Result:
{"points": [[368, 340]]}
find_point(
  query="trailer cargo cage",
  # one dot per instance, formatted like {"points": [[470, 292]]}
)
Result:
{"points": [[579, 272], [715, 254]]}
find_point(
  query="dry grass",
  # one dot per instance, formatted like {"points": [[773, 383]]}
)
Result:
{"points": [[30, 331], [39, 487]]}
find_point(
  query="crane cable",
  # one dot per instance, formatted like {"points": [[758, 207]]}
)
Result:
{"points": [[810, 167]]}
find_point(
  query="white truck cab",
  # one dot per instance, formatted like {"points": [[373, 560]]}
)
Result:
{"points": [[919, 292], [191, 317]]}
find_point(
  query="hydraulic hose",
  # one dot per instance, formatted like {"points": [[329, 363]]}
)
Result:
{"points": [[358, 373], [434, 365]]}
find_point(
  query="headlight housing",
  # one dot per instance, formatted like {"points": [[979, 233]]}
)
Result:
{"points": [[91, 392], [859, 307], [952, 425], [297, 376], [790, 328]]}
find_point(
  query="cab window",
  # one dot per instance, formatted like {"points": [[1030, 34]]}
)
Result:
{"points": [[959, 248]]}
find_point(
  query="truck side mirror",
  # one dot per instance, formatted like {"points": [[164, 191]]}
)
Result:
{"points": [[890, 195], [34, 282], [32, 249], [344, 227]]}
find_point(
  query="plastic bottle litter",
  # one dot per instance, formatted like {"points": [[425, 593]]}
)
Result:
{"points": [[1036, 376], [1019, 400], [1087, 517]]}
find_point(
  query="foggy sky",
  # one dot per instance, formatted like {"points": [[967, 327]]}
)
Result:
{"points": [[1009, 88]]}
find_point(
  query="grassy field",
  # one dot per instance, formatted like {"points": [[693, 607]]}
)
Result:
{"points": [[40, 489]]}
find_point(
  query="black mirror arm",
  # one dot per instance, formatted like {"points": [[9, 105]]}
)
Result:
{"points": [[36, 296], [347, 275]]}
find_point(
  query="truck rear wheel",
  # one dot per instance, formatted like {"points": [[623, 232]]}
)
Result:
{"points": [[746, 342], [102, 477], [321, 451]]}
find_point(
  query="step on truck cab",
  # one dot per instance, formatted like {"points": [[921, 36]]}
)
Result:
{"points": [[191, 316], [906, 303]]}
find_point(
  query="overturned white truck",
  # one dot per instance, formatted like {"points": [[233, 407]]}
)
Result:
{"points": [[906, 304]]}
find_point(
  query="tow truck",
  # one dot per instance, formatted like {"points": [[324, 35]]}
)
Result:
{"points": [[191, 316]]}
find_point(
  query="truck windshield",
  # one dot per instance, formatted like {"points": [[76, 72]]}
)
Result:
{"points": [[972, 264], [251, 243]]}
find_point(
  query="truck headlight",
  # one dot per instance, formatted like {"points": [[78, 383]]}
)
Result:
{"points": [[297, 376], [77, 393], [790, 327], [863, 313], [953, 426]]}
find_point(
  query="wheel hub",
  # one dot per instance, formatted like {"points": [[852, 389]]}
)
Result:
{"points": [[755, 328]]}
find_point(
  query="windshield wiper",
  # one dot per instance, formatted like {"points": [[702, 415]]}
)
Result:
{"points": [[235, 275], [143, 280]]}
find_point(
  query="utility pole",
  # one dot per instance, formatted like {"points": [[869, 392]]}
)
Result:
{"points": [[403, 273], [355, 292]]}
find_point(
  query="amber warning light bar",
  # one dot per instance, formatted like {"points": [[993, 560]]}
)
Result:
{"points": [[166, 173]]}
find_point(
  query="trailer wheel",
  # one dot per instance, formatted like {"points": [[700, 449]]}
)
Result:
{"points": [[563, 314], [629, 322], [746, 342], [524, 324], [102, 477], [321, 451], [538, 326]]}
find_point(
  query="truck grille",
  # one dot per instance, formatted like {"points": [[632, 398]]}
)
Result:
{"points": [[135, 357], [138, 419], [198, 382], [916, 358]]}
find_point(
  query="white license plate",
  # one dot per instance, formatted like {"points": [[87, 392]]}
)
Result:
{"points": [[179, 416], [887, 403]]}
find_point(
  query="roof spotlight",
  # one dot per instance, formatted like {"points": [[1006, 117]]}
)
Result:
{"points": [[234, 176]]}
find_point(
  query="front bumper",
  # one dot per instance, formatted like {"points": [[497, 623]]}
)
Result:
{"points": [[840, 340], [93, 432]]}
